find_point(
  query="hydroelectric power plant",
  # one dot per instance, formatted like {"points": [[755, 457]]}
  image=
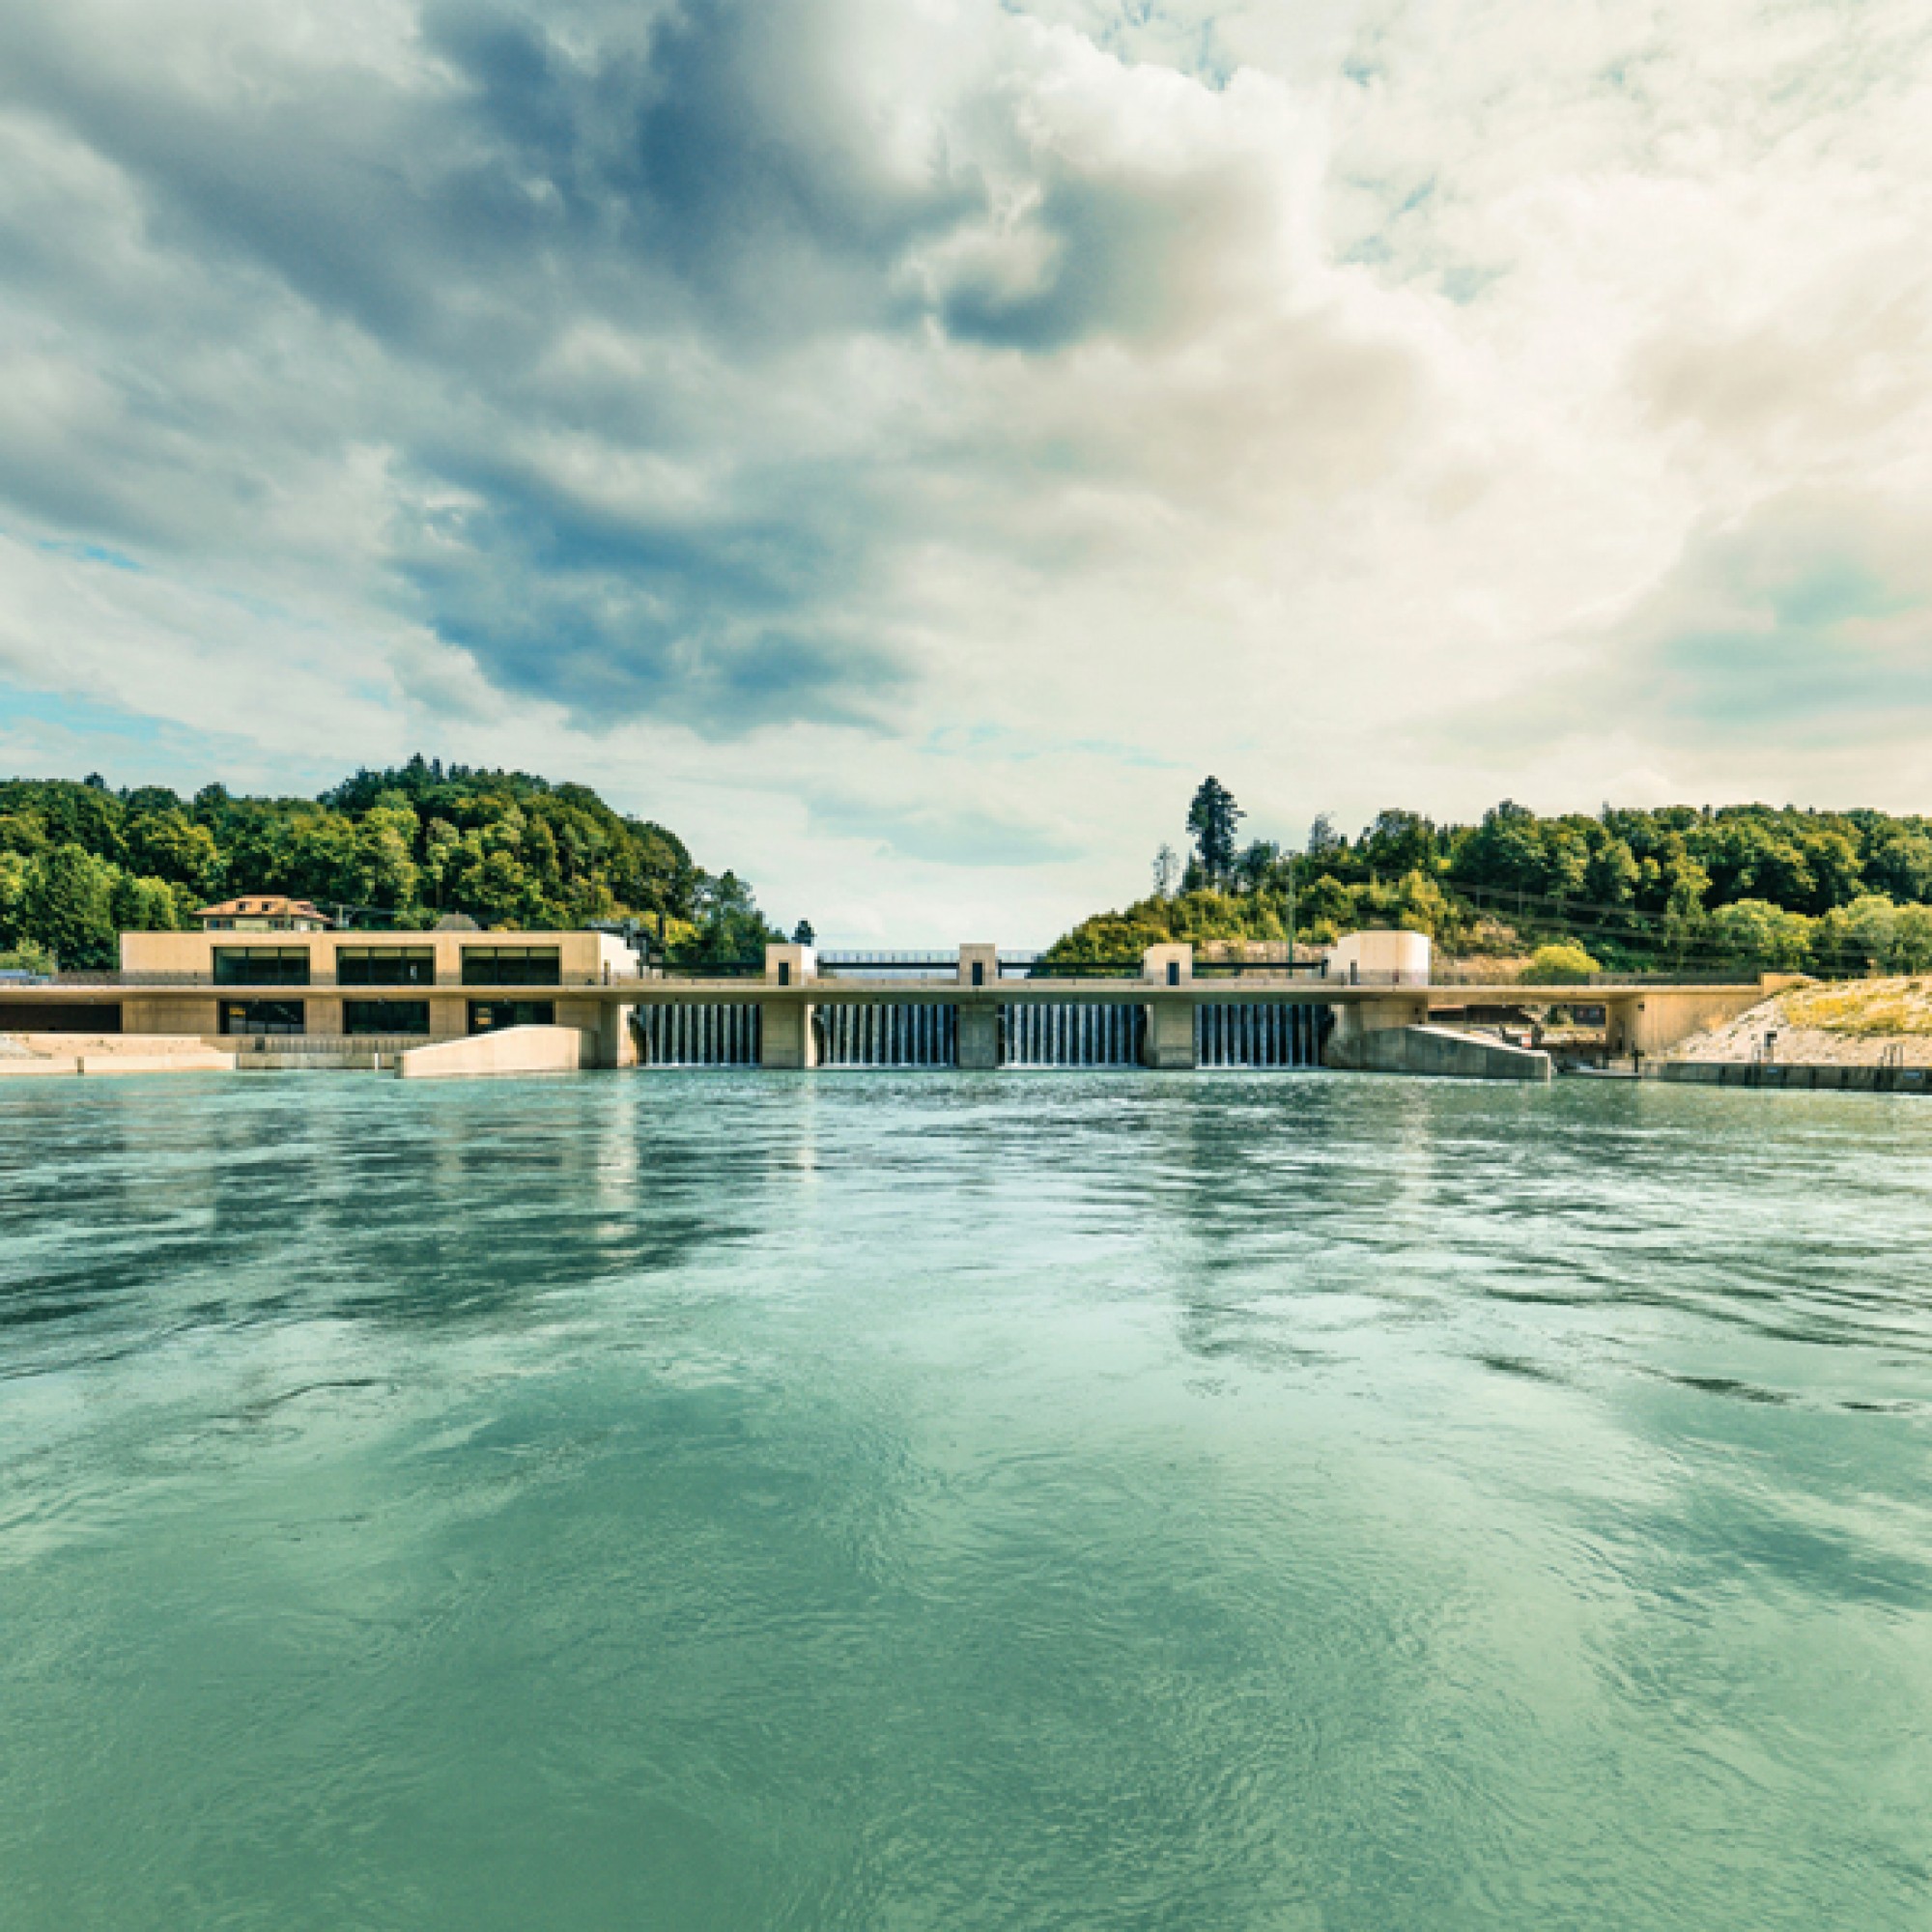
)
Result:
{"points": [[274, 988]]}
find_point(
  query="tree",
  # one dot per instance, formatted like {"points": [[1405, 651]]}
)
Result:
{"points": [[1166, 872], [1212, 820], [1914, 939], [68, 908], [731, 931], [1259, 867], [1759, 934], [13, 899], [1324, 843], [143, 905], [1871, 926], [1565, 965], [1398, 843], [802, 935]]}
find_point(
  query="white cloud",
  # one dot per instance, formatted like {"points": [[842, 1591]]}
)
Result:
{"points": [[903, 444]]}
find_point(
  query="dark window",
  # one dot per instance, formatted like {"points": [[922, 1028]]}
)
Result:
{"points": [[511, 966], [385, 1016], [494, 1015], [385, 966], [260, 965], [784, 972], [262, 1016], [979, 972], [1173, 971]]}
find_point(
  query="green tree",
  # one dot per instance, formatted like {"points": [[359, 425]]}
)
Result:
{"points": [[1561, 965], [166, 843], [731, 931], [1871, 928], [1914, 944], [1397, 843], [1214, 819], [68, 908], [13, 870], [1761, 935], [27, 958], [143, 905]]}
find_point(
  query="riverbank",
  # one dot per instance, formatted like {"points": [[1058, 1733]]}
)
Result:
{"points": [[1870, 1023], [37, 1056]]}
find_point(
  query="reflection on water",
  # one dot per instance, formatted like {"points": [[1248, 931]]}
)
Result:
{"points": [[1120, 1502]]}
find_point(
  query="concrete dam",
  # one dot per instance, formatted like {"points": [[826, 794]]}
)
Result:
{"points": [[450, 1003], [887, 1033]]}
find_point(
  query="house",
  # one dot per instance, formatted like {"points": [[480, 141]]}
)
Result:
{"points": [[264, 912]]}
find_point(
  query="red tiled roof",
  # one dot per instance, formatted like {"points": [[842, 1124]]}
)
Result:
{"points": [[269, 905]]}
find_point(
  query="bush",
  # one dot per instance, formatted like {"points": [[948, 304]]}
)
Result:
{"points": [[1564, 965], [26, 958]]}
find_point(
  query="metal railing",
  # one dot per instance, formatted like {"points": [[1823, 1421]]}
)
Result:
{"points": [[1452, 973], [379, 989]]}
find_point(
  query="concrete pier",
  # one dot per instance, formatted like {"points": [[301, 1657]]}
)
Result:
{"points": [[979, 1016], [787, 1041]]}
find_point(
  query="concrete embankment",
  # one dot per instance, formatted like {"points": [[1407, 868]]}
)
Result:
{"points": [[37, 1056], [524, 1049], [1444, 1052], [1794, 1075], [1853, 1023]]}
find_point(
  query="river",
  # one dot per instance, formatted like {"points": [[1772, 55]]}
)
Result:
{"points": [[1307, 1503]]}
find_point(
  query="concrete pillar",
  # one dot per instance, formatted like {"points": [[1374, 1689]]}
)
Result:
{"points": [[1170, 1033], [979, 1016], [978, 1037], [786, 1036], [609, 1027], [1618, 1033], [322, 1014], [1356, 1019]]}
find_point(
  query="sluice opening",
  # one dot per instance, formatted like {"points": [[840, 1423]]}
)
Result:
{"points": [[1259, 1036], [895, 1035], [1072, 1035], [700, 1036]]}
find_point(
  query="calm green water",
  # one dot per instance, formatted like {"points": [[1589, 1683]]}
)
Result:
{"points": [[688, 1501]]}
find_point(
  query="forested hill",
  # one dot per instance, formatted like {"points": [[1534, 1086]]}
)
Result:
{"points": [[80, 863], [1680, 885]]}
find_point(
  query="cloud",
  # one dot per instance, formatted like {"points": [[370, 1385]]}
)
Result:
{"points": [[756, 406], [1809, 619]]}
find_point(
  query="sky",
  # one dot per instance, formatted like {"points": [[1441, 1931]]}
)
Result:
{"points": [[904, 445]]}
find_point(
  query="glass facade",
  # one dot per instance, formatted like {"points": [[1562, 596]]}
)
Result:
{"points": [[260, 965], [385, 1016], [385, 966], [494, 1015], [262, 1016], [512, 966]]}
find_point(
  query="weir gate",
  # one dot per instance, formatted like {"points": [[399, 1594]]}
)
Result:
{"points": [[1061, 1034], [976, 1009]]}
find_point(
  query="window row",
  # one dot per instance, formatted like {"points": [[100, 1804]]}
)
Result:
{"points": [[389, 966], [365, 1017]]}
